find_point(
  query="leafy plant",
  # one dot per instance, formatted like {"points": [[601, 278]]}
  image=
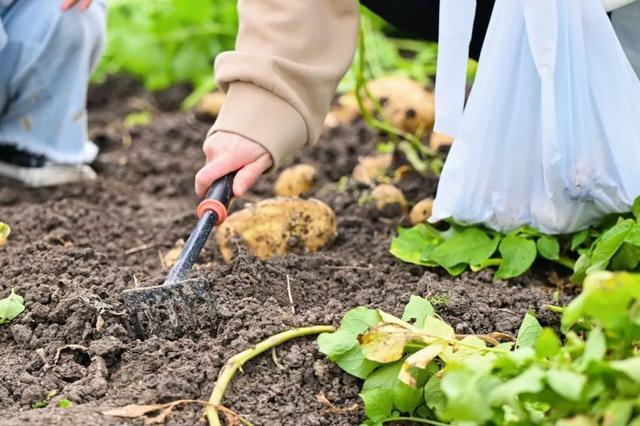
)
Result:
{"points": [[421, 158], [45, 402], [167, 41], [419, 369], [614, 244], [458, 248], [10, 307]]}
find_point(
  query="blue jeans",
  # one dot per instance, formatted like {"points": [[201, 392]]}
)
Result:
{"points": [[46, 59]]}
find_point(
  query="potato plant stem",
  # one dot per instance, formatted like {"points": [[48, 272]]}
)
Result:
{"points": [[238, 360]]}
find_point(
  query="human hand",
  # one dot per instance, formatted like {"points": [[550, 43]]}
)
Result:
{"points": [[227, 152], [68, 4]]}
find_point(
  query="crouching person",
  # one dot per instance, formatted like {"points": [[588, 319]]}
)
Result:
{"points": [[48, 50]]}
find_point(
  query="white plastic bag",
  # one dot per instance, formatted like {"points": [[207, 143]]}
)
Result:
{"points": [[550, 135]]}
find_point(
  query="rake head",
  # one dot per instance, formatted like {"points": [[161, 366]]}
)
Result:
{"points": [[171, 310]]}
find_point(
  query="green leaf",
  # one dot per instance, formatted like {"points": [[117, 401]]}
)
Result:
{"points": [[580, 268], [629, 366], [618, 412], [608, 244], [64, 404], [605, 297], [354, 363], [10, 307], [635, 208], [360, 319], [342, 345], [548, 247], [405, 398], [383, 377], [465, 400], [433, 394], [579, 238], [378, 403], [411, 242], [567, 384], [518, 255], [548, 343], [530, 381], [418, 309], [528, 332], [595, 348], [634, 235], [626, 258], [337, 343], [468, 246]]}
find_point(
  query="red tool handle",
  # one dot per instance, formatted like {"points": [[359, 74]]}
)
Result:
{"points": [[218, 198]]}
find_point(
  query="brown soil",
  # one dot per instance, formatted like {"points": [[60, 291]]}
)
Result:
{"points": [[73, 250]]}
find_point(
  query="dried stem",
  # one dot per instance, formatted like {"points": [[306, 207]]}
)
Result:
{"points": [[237, 361]]}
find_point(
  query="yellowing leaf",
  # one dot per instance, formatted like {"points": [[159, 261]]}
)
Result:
{"points": [[133, 411], [434, 326], [385, 343], [420, 360]]}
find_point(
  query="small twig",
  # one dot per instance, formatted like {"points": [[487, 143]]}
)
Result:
{"points": [[331, 408], [237, 361], [143, 247], [293, 308]]}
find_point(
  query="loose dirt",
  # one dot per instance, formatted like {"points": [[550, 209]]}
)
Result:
{"points": [[74, 249]]}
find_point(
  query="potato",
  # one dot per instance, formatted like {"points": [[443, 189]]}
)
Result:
{"points": [[211, 104], [389, 200], [421, 211], [170, 257], [372, 167], [344, 111], [277, 226], [439, 140], [405, 104], [295, 180]]}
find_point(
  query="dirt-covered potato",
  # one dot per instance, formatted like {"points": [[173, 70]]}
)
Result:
{"points": [[343, 111], [405, 104], [295, 180], [389, 200], [439, 140], [421, 211], [210, 105], [277, 226], [371, 167]]}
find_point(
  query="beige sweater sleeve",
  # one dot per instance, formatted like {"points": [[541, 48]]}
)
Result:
{"points": [[289, 57]]}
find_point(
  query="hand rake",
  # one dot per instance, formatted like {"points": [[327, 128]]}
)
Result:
{"points": [[180, 304]]}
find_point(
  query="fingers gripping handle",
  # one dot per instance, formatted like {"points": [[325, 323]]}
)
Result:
{"points": [[218, 198]]}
